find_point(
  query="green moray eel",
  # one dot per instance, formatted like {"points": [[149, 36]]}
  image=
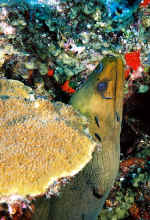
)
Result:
{"points": [[100, 99]]}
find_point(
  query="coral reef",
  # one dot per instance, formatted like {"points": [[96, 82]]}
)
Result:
{"points": [[52, 46]]}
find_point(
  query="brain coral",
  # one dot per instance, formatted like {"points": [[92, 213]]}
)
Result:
{"points": [[40, 142]]}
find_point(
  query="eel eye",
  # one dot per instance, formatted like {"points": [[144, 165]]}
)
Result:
{"points": [[102, 86]]}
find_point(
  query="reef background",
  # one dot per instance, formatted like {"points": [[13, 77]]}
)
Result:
{"points": [[53, 46]]}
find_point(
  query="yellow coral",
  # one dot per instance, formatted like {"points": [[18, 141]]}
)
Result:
{"points": [[39, 143]]}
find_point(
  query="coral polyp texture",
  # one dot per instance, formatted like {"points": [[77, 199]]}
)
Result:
{"points": [[14, 88], [40, 143]]}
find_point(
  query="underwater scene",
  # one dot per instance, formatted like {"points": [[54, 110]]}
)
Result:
{"points": [[74, 109]]}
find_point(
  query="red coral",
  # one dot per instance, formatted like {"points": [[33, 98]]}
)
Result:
{"points": [[145, 3], [66, 87], [133, 59], [127, 73], [134, 65], [50, 72]]}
